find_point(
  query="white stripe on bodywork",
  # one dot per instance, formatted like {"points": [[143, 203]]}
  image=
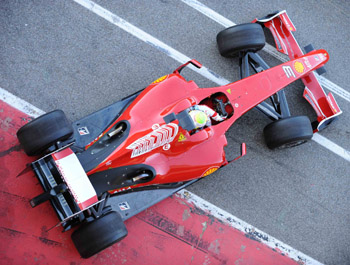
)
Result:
{"points": [[76, 179], [159, 137]]}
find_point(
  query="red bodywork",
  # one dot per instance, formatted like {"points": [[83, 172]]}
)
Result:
{"points": [[176, 155], [324, 105]]}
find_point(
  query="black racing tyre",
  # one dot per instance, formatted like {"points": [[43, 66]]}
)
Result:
{"points": [[240, 38], [99, 234], [288, 132], [41, 133]]}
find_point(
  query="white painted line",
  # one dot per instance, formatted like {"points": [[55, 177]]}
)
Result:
{"points": [[209, 13], [273, 51], [333, 87], [321, 140], [20, 104], [246, 228], [140, 34], [218, 213], [268, 48]]}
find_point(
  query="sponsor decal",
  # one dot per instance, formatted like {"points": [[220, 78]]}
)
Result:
{"points": [[307, 63], [83, 131], [77, 181], [316, 58], [155, 126], [182, 138], [323, 56], [229, 90], [123, 206], [210, 171], [121, 189], [162, 136], [288, 70], [166, 147], [299, 67], [160, 79], [285, 20]]}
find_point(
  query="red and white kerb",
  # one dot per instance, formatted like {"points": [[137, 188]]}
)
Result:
{"points": [[75, 177]]}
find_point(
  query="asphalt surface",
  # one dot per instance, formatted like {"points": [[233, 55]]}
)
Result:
{"points": [[59, 55]]}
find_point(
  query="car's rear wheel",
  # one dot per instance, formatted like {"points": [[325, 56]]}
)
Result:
{"points": [[247, 37], [43, 132], [288, 132], [93, 237]]}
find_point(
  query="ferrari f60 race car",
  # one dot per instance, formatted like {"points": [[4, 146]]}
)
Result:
{"points": [[159, 136]]}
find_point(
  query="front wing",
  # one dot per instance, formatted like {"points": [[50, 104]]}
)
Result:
{"points": [[324, 105]]}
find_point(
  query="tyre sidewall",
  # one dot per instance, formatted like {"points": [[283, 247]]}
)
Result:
{"points": [[247, 37], [288, 131], [41, 133], [99, 234]]}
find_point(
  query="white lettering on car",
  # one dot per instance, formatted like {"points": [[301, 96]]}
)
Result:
{"points": [[162, 136], [288, 70]]}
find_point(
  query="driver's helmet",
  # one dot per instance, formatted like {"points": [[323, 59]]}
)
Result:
{"points": [[199, 118]]}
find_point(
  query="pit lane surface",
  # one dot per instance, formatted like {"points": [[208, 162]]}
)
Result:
{"points": [[61, 55]]}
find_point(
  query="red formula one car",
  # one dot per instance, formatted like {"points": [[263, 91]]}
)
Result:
{"points": [[168, 134]]}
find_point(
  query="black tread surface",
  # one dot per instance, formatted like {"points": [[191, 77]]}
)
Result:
{"points": [[39, 134], [288, 132], [99, 234], [244, 37]]}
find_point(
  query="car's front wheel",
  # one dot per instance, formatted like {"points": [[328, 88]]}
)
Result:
{"points": [[288, 132], [247, 37]]}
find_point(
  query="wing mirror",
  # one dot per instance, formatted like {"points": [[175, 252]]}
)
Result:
{"points": [[243, 152], [193, 62]]}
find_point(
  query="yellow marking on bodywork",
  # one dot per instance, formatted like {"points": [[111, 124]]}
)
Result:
{"points": [[182, 137], [160, 79], [299, 67], [210, 171]]}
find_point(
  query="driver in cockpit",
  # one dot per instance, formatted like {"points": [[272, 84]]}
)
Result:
{"points": [[202, 115]]}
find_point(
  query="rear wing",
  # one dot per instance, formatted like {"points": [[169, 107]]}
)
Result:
{"points": [[324, 105]]}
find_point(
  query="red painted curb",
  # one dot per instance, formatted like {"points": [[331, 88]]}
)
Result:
{"points": [[171, 232]]}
